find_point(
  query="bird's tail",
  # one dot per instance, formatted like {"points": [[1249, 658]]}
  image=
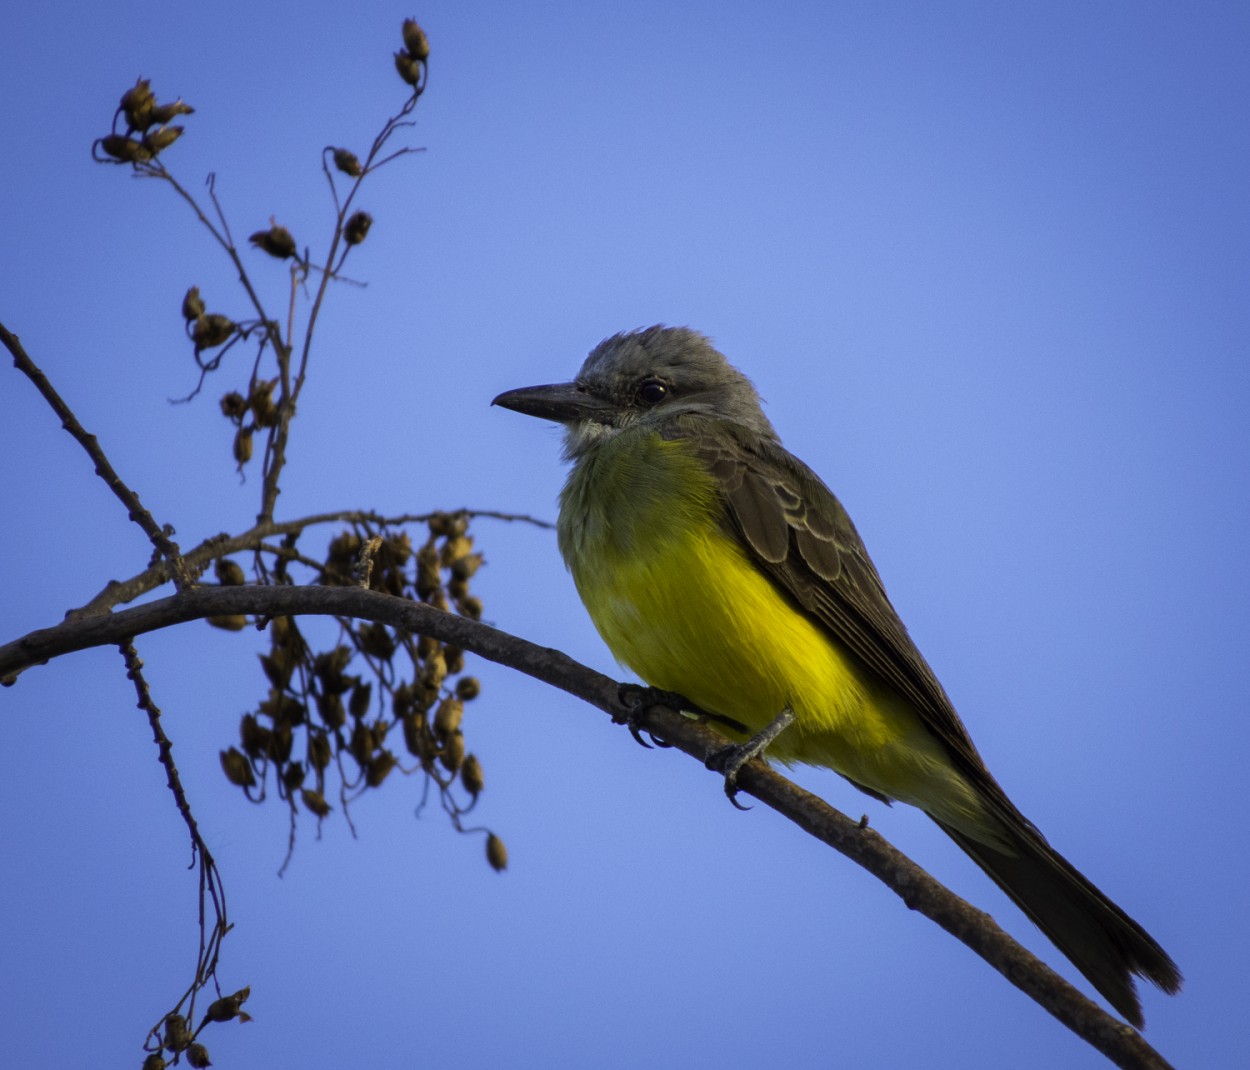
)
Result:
{"points": [[1103, 942]]}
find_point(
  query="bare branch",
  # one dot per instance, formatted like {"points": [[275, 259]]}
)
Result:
{"points": [[119, 592], [165, 546], [1122, 1044]]}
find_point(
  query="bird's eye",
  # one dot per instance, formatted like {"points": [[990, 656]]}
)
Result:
{"points": [[652, 391]]}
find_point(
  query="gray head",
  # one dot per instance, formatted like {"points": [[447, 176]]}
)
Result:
{"points": [[648, 377]]}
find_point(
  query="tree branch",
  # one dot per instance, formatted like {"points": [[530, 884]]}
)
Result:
{"points": [[1123, 1045], [165, 546]]}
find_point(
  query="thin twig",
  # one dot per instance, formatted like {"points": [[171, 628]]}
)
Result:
{"points": [[212, 894], [1119, 1042]]}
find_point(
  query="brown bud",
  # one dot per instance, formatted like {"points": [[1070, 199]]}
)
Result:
{"points": [[315, 801], [428, 579], [212, 330], [471, 607], [415, 41], [409, 69], [468, 688], [348, 163], [277, 241], [357, 227], [237, 768], [160, 139], [434, 670], [162, 113], [496, 853], [155, 1061], [471, 775], [229, 573], [192, 304], [138, 103], [231, 622], [197, 1056], [243, 445]]}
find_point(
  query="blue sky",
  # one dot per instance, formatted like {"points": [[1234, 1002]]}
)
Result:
{"points": [[988, 266]]}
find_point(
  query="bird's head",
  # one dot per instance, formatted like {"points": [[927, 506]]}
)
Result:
{"points": [[658, 377]]}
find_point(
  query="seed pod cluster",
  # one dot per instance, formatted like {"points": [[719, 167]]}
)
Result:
{"points": [[411, 61], [145, 133], [377, 699]]}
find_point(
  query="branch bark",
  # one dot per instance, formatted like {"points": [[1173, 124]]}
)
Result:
{"points": [[1122, 1044]]}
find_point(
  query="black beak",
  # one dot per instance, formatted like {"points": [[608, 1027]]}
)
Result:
{"points": [[565, 403]]}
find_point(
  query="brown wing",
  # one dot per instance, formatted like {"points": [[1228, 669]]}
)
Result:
{"points": [[799, 535]]}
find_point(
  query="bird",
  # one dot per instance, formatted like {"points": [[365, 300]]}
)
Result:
{"points": [[718, 566]]}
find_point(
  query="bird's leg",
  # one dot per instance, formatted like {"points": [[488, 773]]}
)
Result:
{"points": [[729, 760], [638, 699]]}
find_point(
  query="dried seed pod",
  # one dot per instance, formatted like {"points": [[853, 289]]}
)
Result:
{"points": [[197, 1056], [277, 241], [126, 149], [315, 801], [409, 69], [162, 113], [471, 775], [177, 1033], [468, 688], [237, 768], [161, 138], [362, 695], [212, 330], [375, 639], [348, 162], [280, 742], [428, 579], [155, 1061], [357, 227], [222, 1010], [362, 743], [260, 401], [318, 750], [233, 406], [448, 717], [330, 707], [452, 753], [471, 607], [379, 768], [464, 567], [138, 103], [229, 573], [496, 853], [293, 776], [454, 659], [433, 671], [456, 547], [230, 622], [192, 304], [243, 445], [253, 736], [415, 41]]}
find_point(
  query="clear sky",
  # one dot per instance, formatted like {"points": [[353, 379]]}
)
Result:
{"points": [[988, 265]]}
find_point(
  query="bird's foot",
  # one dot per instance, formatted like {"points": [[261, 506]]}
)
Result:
{"points": [[638, 699], [730, 760]]}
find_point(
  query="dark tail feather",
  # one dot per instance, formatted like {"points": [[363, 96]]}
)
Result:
{"points": [[1103, 942]]}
